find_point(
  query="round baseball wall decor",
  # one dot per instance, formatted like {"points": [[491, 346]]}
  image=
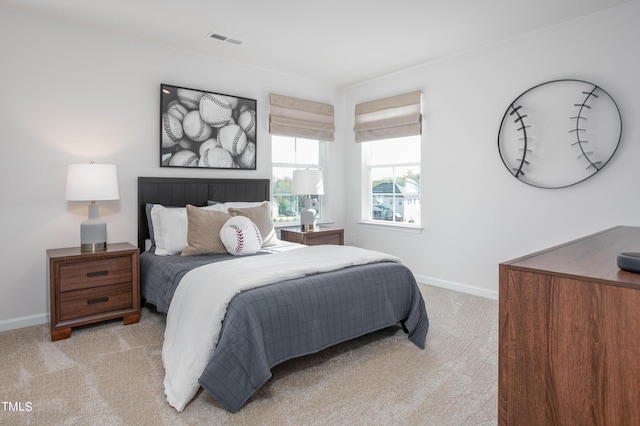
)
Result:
{"points": [[559, 133]]}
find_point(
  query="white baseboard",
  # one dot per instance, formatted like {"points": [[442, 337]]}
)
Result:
{"points": [[463, 288], [15, 323]]}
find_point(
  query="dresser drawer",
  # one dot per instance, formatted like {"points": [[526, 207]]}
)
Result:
{"points": [[94, 273], [79, 303]]}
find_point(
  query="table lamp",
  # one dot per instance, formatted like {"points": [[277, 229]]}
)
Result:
{"points": [[307, 182], [92, 182]]}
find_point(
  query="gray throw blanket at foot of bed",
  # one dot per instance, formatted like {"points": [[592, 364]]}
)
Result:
{"points": [[268, 325]]}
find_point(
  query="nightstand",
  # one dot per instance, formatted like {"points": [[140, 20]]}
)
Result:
{"points": [[314, 238], [90, 287]]}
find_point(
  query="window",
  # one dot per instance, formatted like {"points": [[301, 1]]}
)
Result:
{"points": [[289, 154], [393, 183]]}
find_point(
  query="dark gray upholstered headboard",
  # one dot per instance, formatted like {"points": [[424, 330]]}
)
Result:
{"points": [[179, 192]]}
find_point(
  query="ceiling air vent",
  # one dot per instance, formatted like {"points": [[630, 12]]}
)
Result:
{"points": [[232, 40]]}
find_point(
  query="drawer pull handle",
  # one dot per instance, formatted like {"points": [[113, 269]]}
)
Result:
{"points": [[97, 274], [100, 300]]}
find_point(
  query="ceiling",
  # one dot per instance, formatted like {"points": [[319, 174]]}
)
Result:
{"points": [[335, 42]]}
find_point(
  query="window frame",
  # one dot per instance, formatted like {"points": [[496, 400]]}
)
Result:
{"points": [[318, 201], [367, 215]]}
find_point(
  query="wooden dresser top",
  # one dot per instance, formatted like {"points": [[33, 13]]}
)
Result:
{"points": [[593, 257]]}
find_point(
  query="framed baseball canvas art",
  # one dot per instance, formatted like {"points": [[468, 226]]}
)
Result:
{"points": [[199, 128]]}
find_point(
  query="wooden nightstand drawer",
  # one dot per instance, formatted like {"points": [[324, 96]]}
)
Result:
{"points": [[93, 301], [319, 239], [314, 238], [94, 273]]}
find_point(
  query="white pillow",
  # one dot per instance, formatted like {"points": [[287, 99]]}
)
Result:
{"points": [[243, 204], [169, 229], [240, 236], [170, 226], [239, 205], [216, 206]]}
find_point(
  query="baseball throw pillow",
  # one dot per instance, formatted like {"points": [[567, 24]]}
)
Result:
{"points": [[240, 236]]}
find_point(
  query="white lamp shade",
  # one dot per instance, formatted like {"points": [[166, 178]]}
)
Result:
{"points": [[307, 182], [92, 182]]}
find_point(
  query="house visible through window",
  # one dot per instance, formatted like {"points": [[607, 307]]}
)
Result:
{"points": [[289, 154], [393, 183]]}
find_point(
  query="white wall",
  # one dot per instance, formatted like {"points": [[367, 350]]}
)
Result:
{"points": [[72, 95], [475, 214]]}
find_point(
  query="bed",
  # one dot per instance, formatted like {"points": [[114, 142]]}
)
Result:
{"points": [[230, 319]]}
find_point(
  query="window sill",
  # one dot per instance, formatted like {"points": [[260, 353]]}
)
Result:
{"points": [[412, 229], [292, 224]]}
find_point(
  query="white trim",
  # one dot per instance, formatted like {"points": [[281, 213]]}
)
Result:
{"points": [[391, 226], [21, 322], [463, 288]]}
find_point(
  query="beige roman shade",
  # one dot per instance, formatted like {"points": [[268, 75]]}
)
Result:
{"points": [[388, 118], [300, 118]]}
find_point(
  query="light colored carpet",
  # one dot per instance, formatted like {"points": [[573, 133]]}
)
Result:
{"points": [[112, 374]]}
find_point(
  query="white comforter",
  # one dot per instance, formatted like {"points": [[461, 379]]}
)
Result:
{"points": [[200, 302]]}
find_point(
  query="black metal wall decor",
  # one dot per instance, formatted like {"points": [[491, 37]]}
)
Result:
{"points": [[559, 133]]}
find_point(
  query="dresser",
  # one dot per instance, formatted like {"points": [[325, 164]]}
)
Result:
{"points": [[569, 334], [314, 238], [85, 288]]}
